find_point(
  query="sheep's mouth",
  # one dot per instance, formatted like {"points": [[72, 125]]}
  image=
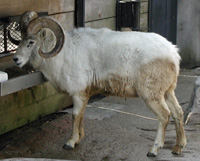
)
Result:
{"points": [[19, 63]]}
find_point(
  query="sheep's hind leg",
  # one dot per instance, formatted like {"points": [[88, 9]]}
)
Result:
{"points": [[80, 103], [160, 108], [177, 115]]}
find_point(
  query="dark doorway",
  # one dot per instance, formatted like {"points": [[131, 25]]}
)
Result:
{"points": [[163, 18]]}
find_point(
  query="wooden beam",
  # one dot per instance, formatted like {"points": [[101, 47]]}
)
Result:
{"points": [[25, 106], [17, 7]]}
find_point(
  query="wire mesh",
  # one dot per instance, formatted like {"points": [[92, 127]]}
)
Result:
{"points": [[6, 46]]}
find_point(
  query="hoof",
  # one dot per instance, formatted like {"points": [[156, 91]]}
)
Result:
{"points": [[149, 154], [175, 153], [176, 150], [67, 147]]}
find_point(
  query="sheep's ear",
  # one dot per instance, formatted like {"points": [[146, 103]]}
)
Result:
{"points": [[48, 39]]}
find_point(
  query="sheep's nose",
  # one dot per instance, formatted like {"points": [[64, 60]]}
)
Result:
{"points": [[15, 59]]}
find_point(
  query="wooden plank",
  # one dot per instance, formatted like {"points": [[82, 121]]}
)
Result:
{"points": [[18, 7], [99, 9], [66, 20], [27, 114], [28, 105], [57, 6], [108, 23], [20, 83], [26, 97]]}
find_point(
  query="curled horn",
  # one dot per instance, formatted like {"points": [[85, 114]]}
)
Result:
{"points": [[24, 21], [44, 22], [26, 18], [12, 40]]}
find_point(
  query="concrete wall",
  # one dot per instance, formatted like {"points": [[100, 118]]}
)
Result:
{"points": [[188, 32]]}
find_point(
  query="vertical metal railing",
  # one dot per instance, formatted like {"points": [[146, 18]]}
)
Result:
{"points": [[5, 37], [128, 15], [6, 24], [80, 13]]}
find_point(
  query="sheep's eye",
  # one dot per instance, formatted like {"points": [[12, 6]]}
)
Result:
{"points": [[30, 43]]}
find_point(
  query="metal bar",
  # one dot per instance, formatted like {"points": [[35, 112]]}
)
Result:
{"points": [[163, 18], [118, 16], [80, 13], [149, 15], [137, 15], [123, 14], [173, 17], [5, 38], [20, 83], [128, 15]]}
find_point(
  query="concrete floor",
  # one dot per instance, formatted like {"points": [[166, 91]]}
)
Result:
{"points": [[115, 129]]}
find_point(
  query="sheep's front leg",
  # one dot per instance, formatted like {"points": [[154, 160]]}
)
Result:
{"points": [[80, 102]]}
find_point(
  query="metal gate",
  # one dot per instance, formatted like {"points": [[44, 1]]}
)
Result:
{"points": [[163, 18]]}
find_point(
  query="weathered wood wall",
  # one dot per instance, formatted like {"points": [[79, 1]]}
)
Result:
{"points": [[25, 106], [100, 13], [62, 10], [17, 7]]}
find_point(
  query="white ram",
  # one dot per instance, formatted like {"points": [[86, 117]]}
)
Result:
{"points": [[85, 61]]}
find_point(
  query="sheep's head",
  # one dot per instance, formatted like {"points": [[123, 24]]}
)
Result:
{"points": [[43, 36]]}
